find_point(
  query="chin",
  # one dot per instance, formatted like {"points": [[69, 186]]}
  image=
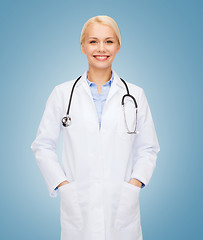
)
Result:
{"points": [[100, 66]]}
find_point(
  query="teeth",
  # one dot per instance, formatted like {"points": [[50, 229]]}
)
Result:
{"points": [[101, 57]]}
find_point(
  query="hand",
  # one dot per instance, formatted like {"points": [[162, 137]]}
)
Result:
{"points": [[135, 182], [63, 183]]}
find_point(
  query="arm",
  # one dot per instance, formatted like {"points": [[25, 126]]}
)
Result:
{"points": [[146, 144], [45, 144]]}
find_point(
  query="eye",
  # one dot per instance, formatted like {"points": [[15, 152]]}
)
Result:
{"points": [[93, 41], [109, 41]]}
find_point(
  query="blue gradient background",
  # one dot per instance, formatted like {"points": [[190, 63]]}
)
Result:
{"points": [[161, 52]]}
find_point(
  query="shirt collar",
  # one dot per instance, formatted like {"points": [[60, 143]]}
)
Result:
{"points": [[107, 83]]}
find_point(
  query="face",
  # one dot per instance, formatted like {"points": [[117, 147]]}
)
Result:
{"points": [[100, 46]]}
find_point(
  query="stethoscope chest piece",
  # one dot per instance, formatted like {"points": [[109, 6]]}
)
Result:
{"points": [[66, 121]]}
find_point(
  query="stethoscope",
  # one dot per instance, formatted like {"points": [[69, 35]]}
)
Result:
{"points": [[66, 121]]}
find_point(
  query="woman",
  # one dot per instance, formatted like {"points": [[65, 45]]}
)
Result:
{"points": [[103, 166]]}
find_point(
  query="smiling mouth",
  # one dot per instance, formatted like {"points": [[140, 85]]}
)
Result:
{"points": [[101, 57]]}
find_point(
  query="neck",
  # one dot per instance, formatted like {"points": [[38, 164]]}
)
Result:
{"points": [[99, 76]]}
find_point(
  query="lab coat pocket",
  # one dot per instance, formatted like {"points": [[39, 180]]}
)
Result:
{"points": [[71, 216], [128, 211]]}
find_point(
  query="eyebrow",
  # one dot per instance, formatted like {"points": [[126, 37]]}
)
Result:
{"points": [[97, 38]]}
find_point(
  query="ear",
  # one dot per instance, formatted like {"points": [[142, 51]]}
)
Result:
{"points": [[82, 48]]}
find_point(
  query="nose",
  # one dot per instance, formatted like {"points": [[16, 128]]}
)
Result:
{"points": [[101, 47]]}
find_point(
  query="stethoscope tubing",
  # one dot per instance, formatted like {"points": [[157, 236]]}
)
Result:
{"points": [[66, 121], [71, 95]]}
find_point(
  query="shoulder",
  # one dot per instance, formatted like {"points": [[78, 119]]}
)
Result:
{"points": [[136, 91], [64, 86], [133, 88], [60, 92]]}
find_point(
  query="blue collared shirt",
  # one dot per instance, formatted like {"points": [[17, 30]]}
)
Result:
{"points": [[100, 99]]}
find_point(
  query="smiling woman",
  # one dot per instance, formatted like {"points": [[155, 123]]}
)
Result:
{"points": [[100, 42], [105, 163]]}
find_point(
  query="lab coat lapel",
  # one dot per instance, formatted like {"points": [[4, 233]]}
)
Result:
{"points": [[115, 86], [85, 85]]}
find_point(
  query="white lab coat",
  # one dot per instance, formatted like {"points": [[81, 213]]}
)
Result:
{"points": [[98, 203]]}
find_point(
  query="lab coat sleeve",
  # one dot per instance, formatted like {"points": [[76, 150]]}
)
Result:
{"points": [[146, 144], [45, 144]]}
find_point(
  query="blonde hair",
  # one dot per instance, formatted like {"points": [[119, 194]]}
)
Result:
{"points": [[106, 20]]}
